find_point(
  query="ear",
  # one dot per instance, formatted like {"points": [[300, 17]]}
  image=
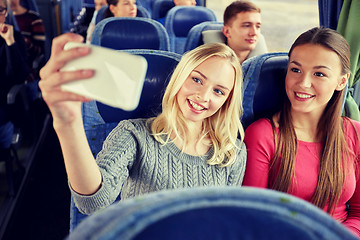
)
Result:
{"points": [[176, 2], [341, 85], [226, 31], [111, 8]]}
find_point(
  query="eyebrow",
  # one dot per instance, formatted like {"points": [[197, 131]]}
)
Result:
{"points": [[316, 67], [255, 23], [202, 75]]}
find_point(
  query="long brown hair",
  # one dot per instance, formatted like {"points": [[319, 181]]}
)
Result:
{"points": [[329, 131]]}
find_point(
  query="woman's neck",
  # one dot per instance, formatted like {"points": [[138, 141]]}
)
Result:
{"points": [[196, 144], [306, 126]]}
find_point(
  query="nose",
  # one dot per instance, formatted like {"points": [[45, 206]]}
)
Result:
{"points": [[305, 81], [254, 30], [204, 94]]}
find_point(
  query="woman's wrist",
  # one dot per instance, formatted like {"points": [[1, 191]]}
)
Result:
{"points": [[10, 41]]}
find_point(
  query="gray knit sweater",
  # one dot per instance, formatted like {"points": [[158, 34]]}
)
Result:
{"points": [[134, 163]]}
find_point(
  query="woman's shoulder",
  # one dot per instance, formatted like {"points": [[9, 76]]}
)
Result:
{"points": [[262, 124], [130, 130], [259, 132], [138, 124], [352, 129]]}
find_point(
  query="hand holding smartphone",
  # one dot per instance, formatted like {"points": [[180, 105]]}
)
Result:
{"points": [[118, 78]]}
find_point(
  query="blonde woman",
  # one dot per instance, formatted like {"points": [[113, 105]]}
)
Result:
{"points": [[193, 142]]}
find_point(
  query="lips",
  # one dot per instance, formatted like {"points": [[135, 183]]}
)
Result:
{"points": [[196, 106], [251, 41], [303, 96]]}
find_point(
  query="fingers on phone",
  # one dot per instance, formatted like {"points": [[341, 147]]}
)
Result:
{"points": [[60, 78], [59, 42], [59, 96]]}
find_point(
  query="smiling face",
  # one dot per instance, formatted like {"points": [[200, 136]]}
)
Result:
{"points": [[124, 8], [242, 32], [314, 73], [206, 89]]}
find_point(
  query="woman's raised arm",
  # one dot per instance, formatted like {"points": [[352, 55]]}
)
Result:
{"points": [[65, 107]]}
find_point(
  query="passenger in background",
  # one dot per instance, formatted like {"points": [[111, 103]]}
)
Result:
{"points": [[242, 23], [193, 142], [33, 31], [98, 4], [308, 149], [13, 70], [178, 3], [121, 8], [116, 8], [184, 2]]}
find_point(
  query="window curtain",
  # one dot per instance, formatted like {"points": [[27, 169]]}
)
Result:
{"points": [[348, 26], [329, 11]]}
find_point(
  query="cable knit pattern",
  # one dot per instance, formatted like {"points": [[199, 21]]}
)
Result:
{"points": [[134, 163]]}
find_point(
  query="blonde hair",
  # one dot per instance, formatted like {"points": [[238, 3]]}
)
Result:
{"points": [[223, 127]]}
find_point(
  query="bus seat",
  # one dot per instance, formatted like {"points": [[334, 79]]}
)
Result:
{"points": [[88, 3], [69, 11], [100, 119], [264, 89], [10, 19], [147, 4], [181, 19], [195, 35], [101, 14], [123, 33], [142, 12], [212, 213], [30, 5], [161, 8]]}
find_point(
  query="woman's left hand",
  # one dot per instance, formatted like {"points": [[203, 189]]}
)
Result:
{"points": [[7, 33]]}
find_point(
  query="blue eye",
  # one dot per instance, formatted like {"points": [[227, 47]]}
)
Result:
{"points": [[196, 80], [219, 92]]}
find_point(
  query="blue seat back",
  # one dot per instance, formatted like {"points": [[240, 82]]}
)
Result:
{"points": [[100, 119], [69, 10], [88, 4], [264, 85], [147, 4], [141, 12], [181, 19], [195, 37], [161, 8], [229, 213], [124, 33], [29, 4], [101, 14], [10, 19]]}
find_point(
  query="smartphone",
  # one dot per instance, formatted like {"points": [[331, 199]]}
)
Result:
{"points": [[118, 79]]}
